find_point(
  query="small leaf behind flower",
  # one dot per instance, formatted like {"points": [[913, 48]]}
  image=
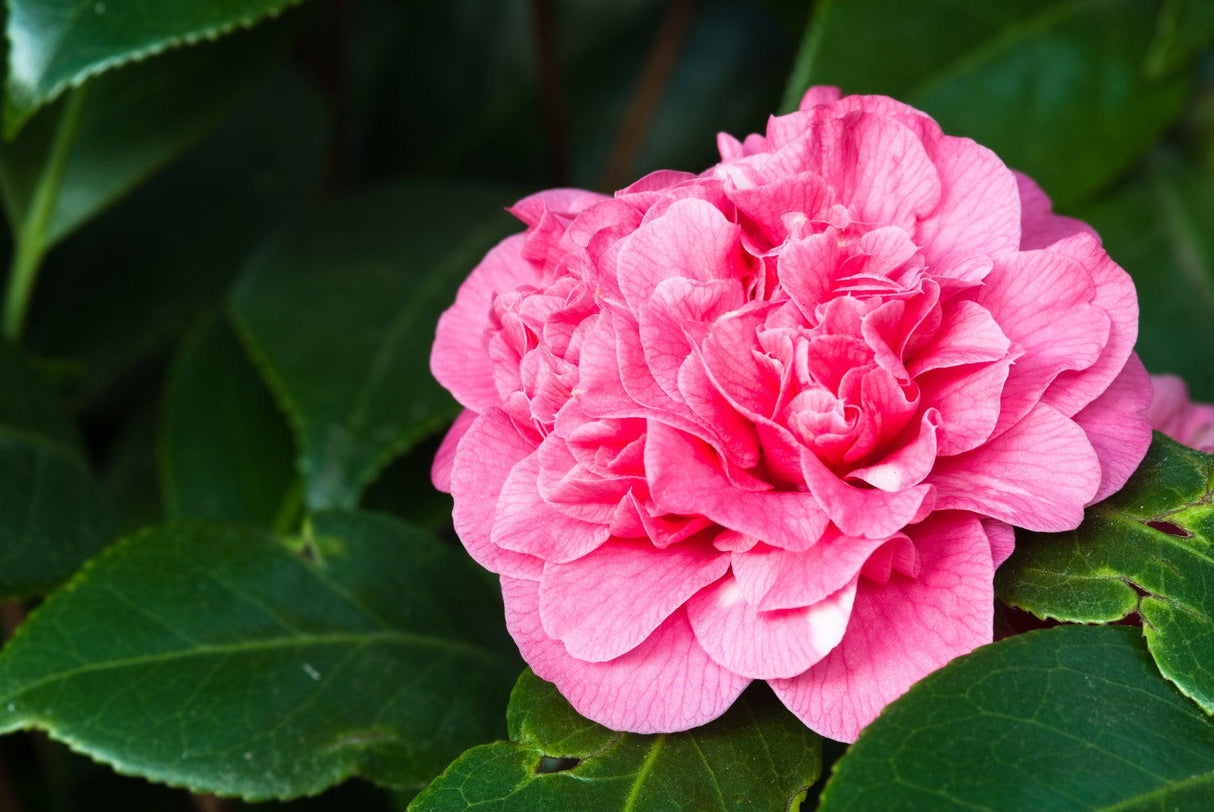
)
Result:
{"points": [[53, 514], [340, 312], [1071, 718], [756, 756], [1148, 550]]}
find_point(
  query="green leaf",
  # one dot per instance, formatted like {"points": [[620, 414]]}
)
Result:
{"points": [[225, 449], [77, 158], [224, 659], [1148, 550], [1055, 87], [339, 314], [53, 514], [54, 44], [105, 138], [1160, 228], [1184, 28], [1072, 718], [756, 756], [138, 275]]}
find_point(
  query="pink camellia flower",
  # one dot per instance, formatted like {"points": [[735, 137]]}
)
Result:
{"points": [[777, 420], [1175, 415]]}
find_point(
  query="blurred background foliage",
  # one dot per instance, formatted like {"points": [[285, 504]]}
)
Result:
{"points": [[233, 225]]}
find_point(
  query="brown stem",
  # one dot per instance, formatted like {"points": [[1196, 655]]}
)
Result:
{"points": [[663, 55], [208, 803], [12, 615], [550, 84]]}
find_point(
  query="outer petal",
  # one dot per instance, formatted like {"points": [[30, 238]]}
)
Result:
{"points": [[1045, 302], [666, 684], [492, 446], [458, 359], [1040, 227], [605, 603], [1038, 474], [979, 208], [767, 645], [1118, 428], [1115, 294], [527, 524], [901, 631], [440, 469]]}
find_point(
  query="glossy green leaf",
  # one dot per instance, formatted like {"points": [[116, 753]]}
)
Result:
{"points": [[339, 314], [54, 44], [225, 449], [80, 156], [136, 277], [756, 756], [224, 659], [1160, 228], [1072, 718], [1056, 87], [53, 514], [1148, 550], [1185, 27]]}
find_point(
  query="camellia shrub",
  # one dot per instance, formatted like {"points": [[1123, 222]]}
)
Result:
{"points": [[646, 405]]}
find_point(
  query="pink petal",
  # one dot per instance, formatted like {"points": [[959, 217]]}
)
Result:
{"points": [[1042, 300], [666, 684], [440, 469], [691, 239], [968, 401], [819, 94], [767, 645], [979, 210], [906, 466], [771, 578], [1038, 474], [527, 524], [563, 202], [901, 631], [1040, 227], [968, 334], [1172, 413], [803, 196], [1118, 428], [863, 511], [458, 359], [686, 477], [1003, 540], [492, 446], [1115, 294], [605, 603], [884, 173], [807, 269]]}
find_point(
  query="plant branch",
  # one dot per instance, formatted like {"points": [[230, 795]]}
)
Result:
{"points": [[550, 84], [663, 55]]}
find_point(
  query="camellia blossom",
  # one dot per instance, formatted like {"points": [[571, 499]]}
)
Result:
{"points": [[777, 420], [1175, 415]]}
